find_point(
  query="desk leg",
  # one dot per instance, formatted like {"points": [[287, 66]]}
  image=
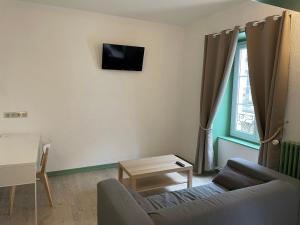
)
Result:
{"points": [[133, 183], [120, 173], [35, 204], [190, 178], [12, 199]]}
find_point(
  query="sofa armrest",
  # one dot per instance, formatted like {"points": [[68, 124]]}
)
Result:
{"points": [[273, 203], [116, 206], [260, 172]]}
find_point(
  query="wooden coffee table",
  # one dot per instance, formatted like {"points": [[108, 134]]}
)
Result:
{"points": [[154, 172]]}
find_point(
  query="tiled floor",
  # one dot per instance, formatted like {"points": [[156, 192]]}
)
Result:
{"points": [[74, 196]]}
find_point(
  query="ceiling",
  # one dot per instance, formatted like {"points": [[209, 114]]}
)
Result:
{"points": [[178, 12]]}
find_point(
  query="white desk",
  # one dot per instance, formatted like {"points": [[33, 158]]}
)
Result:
{"points": [[18, 160]]}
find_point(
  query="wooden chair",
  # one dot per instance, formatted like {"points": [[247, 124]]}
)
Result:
{"points": [[42, 175]]}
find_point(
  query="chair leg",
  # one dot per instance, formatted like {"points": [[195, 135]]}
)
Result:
{"points": [[46, 183], [12, 199]]}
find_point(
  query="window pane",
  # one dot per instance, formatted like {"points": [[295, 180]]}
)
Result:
{"points": [[245, 119], [243, 62], [244, 92], [243, 123]]}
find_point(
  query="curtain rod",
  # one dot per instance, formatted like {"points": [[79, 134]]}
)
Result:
{"points": [[243, 28]]}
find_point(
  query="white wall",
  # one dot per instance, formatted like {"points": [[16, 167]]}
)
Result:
{"points": [[228, 149], [49, 66], [239, 15]]}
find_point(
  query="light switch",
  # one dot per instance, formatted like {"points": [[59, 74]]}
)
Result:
{"points": [[22, 114]]}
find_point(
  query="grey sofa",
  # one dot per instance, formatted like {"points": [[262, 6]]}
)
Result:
{"points": [[275, 201]]}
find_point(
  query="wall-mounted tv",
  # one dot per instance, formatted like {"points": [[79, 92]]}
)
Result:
{"points": [[122, 57]]}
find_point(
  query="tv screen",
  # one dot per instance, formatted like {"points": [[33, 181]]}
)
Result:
{"points": [[122, 57]]}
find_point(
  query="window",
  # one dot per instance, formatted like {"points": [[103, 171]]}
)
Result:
{"points": [[243, 123]]}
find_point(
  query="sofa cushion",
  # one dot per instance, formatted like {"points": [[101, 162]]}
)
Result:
{"points": [[231, 179], [272, 203], [171, 199]]}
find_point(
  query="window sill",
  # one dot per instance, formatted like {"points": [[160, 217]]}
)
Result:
{"points": [[241, 142]]}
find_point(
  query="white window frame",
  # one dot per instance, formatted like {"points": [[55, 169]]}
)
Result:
{"points": [[234, 132]]}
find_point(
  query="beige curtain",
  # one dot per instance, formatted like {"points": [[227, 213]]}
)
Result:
{"points": [[219, 53], [268, 45]]}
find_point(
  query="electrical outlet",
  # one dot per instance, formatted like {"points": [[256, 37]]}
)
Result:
{"points": [[22, 114]]}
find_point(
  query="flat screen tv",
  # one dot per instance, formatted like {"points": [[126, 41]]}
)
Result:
{"points": [[122, 57]]}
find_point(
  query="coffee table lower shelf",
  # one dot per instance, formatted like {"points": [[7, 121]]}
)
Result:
{"points": [[155, 182]]}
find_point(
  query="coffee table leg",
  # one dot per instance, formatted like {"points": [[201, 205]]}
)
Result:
{"points": [[133, 183], [190, 179], [120, 173]]}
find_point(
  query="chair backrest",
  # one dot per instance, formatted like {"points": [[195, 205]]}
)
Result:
{"points": [[44, 157]]}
